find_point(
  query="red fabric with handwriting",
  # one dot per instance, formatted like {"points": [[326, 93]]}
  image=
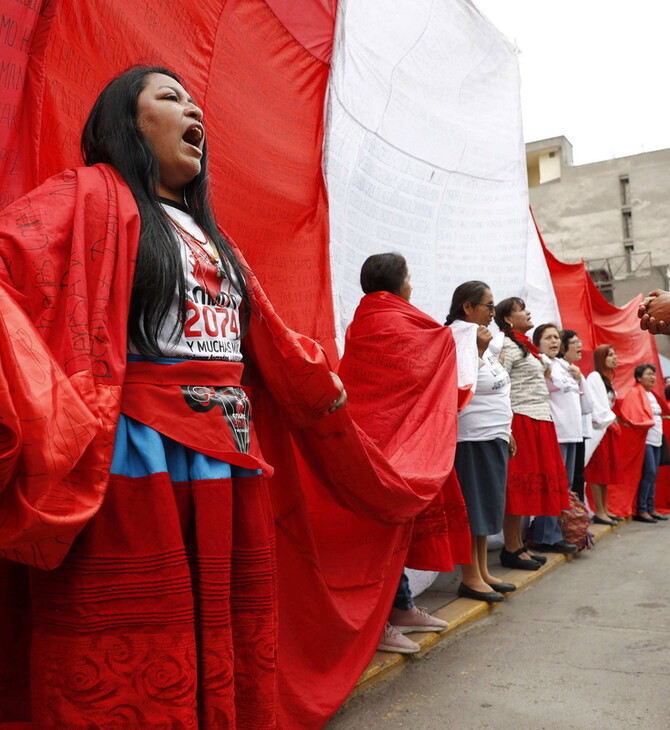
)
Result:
{"points": [[259, 71], [399, 369], [63, 364]]}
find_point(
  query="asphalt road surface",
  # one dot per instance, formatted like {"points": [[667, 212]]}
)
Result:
{"points": [[585, 647]]}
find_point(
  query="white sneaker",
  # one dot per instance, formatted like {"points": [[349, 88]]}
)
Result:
{"points": [[395, 642], [415, 619]]}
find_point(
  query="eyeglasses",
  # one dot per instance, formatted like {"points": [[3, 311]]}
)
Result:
{"points": [[490, 307], [575, 342]]}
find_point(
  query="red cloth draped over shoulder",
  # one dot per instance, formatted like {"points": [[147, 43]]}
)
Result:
{"points": [[66, 264], [399, 369], [341, 509], [635, 414]]}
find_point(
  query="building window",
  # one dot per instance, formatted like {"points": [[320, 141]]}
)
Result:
{"points": [[627, 221], [624, 189]]}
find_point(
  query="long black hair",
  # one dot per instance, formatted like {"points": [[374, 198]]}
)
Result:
{"points": [[504, 309], [111, 135], [468, 291]]}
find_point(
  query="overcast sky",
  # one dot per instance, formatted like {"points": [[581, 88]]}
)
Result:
{"points": [[595, 71]]}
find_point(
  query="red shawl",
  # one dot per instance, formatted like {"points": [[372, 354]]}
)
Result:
{"points": [[636, 416], [399, 369], [68, 250]]}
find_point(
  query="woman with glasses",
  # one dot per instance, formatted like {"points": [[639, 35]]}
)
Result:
{"points": [[571, 352], [536, 475], [565, 384], [484, 438]]}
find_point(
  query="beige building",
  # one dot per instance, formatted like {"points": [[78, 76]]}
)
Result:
{"points": [[614, 214]]}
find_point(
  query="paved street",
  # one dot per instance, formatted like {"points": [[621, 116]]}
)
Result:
{"points": [[587, 646]]}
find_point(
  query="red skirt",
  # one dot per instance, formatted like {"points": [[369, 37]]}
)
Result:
{"points": [[164, 612], [603, 466], [537, 483]]}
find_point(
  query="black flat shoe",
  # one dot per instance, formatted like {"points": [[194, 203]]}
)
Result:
{"points": [[562, 546], [488, 596], [658, 516], [503, 587], [616, 518], [648, 520], [512, 560], [599, 521], [541, 559]]}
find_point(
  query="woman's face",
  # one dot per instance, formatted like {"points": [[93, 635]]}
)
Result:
{"points": [[172, 125], [610, 361], [573, 350], [550, 342], [648, 379], [482, 311], [405, 290], [519, 319]]}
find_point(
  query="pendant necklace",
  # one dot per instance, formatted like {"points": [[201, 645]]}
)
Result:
{"points": [[203, 251]]}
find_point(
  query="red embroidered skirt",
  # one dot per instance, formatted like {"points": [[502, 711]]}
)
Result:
{"points": [[164, 612], [536, 476], [603, 466]]}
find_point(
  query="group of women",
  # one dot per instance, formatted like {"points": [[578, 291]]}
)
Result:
{"points": [[532, 429], [138, 494]]}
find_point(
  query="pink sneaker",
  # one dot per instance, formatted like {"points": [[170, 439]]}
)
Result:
{"points": [[416, 619], [395, 642]]}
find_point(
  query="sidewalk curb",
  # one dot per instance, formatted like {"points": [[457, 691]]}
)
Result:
{"points": [[459, 613]]}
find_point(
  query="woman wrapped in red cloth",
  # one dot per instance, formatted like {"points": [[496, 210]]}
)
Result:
{"points": [[642, 411], [399, 368], [138, 494]]}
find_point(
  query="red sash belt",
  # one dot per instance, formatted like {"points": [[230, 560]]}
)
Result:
{"points": [[197, 403], [186, 372]]}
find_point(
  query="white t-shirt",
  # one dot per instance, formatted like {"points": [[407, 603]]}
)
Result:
{"points": [[566, 409], [212, 324], [488, 415], [655, 433]]}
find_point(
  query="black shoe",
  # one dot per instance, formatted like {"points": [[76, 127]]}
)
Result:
{"points": [[488, 596], [658, 516], [562, 546], [541, 559], [599, 521], [649, 520], [616, 518], [512, 560], [503, 587]]}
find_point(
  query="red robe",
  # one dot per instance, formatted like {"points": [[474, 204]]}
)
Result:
{"points": [[399, 369], [635, 414], [339, 508]]}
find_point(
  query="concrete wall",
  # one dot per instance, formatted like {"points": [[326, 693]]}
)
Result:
{"points": [[580, 216]]}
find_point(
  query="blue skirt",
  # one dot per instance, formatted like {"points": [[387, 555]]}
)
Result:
{"points": [[482, 472]]}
